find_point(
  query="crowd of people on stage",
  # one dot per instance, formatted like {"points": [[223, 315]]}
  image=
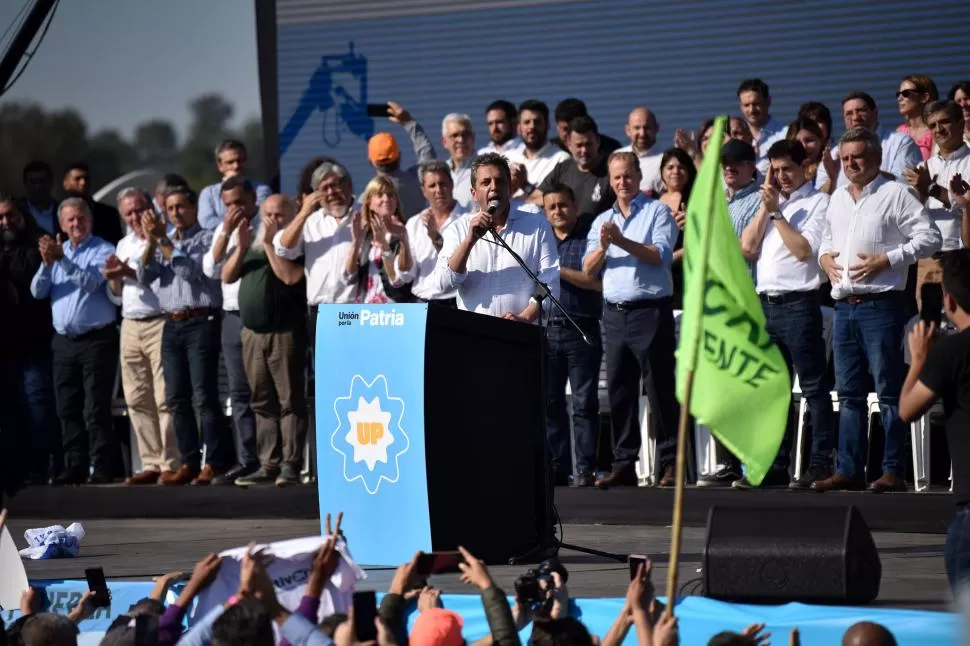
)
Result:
{"points": [[233, 275]]}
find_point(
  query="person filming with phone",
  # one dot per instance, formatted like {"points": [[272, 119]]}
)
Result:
{"points": [[940, 369]]}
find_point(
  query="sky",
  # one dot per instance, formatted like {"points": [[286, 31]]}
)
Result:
{"points": [[122, 62]]}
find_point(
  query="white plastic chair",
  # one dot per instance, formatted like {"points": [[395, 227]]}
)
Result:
{"points": [[796, 392]]}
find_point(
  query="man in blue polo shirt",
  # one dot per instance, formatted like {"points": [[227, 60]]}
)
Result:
{"points": [[631, 247], [568, 355]]}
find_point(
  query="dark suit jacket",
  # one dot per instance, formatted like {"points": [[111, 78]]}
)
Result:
{"points": [[107, 220]]}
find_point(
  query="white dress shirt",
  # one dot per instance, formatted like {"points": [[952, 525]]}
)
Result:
{"points": [[213, 269], [649, 170], [898, 151], [325, 243], [948, 220], [136, 300], [545, 159], [461, 178], [887, 218], [511, 144], [778, 269], [772, 131], [493, 283], [424, 257]]}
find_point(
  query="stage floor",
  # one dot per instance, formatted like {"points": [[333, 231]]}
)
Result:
{"points": [[176, 527]]}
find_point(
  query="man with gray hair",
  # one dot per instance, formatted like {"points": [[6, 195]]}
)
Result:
{"points": [[85, 346], [49, 629], [142, 325], [385, 156], [321, 235], [424, 232], [458, 138], [873, 230], [230, 161]]}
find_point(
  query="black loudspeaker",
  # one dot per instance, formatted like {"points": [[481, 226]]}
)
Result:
{"points": [[796, 553]]}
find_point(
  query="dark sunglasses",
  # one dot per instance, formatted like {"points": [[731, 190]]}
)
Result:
{"points": [[907, 94]]}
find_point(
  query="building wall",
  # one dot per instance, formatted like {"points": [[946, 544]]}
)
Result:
{"points": [[683, 59]]}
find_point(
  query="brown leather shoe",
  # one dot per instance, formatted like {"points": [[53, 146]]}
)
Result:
{"points": [[888, 482], [838, 483], [183, 476], [205, 476], [147, 477], [669, 477], [622, 478]]}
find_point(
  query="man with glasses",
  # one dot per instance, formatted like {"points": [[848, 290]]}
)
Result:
{"points": [[458, 138]]}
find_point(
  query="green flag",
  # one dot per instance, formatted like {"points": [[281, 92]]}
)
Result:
{"points": [[741, 388]]}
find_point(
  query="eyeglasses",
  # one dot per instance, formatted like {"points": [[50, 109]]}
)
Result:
{"points": [[907, 94]]}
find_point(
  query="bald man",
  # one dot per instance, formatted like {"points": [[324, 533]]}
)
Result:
{"points": [[642, 128], [866, 633], [272, 305]]}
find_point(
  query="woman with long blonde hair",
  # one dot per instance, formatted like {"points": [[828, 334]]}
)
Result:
{"points": [[380, 256]]}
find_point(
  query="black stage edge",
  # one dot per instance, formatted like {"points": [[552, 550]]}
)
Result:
{"points": [[903, 512]]}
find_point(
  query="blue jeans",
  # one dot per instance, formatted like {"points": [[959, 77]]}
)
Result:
{"points": [[38, 394], [568, 356], [956, 550], [243, 420], [794, 323], [869, 335], [190, 356]]}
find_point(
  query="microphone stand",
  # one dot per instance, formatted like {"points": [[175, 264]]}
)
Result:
{"points": [[549, 545]]}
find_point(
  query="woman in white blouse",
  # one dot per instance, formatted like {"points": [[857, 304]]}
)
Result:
{"points": [[379, 239]]}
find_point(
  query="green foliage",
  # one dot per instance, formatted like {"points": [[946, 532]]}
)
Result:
{"points": [[60, 137]]}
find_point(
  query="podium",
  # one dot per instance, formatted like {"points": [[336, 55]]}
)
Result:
{"points": [[430, 428]]}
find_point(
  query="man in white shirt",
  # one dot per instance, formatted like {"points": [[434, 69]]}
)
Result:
{"points": [[754, 99], [424, 234], [642, 128], [231, 158], [932, 179], [141, 346], [458, 138], [321, 234], [874, 230], [501, 118], [784, 238], [535, 152], [488, 280], [239, 196], [898, 149]]}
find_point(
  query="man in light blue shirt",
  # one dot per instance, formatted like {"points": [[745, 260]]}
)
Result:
{"points": [[631, 247], [230, 161], [85, 346]]}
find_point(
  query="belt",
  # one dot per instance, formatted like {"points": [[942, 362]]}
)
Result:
{"points": [[626, 306], [856, 299], [785, 297], [89, 334], [185, 315], [146, 319], [581, 321]]}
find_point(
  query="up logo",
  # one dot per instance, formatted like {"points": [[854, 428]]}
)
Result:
{"points": [[369, 435]]}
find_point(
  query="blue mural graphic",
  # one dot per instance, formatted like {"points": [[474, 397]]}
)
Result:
{"points": [[325, 92]]}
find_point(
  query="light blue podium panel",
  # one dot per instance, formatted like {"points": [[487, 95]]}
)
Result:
{"points": [[369, 367]]}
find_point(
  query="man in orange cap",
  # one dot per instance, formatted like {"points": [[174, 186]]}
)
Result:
{"points": [[385, 156]]}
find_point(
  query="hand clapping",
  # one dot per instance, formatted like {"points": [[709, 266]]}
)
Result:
{"points": [[51, 250], [960, 191], [609, 234]]}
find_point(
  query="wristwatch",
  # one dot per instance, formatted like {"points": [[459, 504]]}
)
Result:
{"points": [[775, 215]]}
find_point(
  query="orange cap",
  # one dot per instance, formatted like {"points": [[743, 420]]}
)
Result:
{"points": [[382, 149], [437, 627]]}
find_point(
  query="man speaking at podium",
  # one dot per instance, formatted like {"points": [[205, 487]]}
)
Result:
{"points": [[471, 261]]}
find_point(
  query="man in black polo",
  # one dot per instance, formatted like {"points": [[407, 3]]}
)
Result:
{"points": [[569, 356], [586, 173]]}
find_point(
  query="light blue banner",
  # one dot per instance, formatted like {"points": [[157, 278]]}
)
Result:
{"points": [[370, 427]]}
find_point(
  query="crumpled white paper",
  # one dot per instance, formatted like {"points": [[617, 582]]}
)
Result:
{"points": [[53, 542]]}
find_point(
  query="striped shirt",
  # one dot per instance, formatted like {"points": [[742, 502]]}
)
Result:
{"points": [[179, 282], [742, 207]]}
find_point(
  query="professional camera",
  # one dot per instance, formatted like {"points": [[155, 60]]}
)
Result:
{"points": [[527, 587]]}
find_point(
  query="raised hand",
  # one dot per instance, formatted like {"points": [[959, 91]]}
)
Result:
{"points": [[480, 223], [769, 194], [233, 218], [755, 633], [685, 141], [404, 576], [680, 216], [204, 571], [269, 229], [31, 601], [832, 165], [357, 226], [665, 631], [473, 571], [920, 340], [113, 268], [244, 235], [152, 227], [429, 598], [311, 203], [44, 245], [960, 191], [872, 264], [612, 233], [84, 608], [831, 268], [397, 114], [395, 227], [919, 178], [325, 562]]}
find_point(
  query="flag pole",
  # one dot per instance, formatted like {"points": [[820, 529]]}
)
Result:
{"points": [[698, 280]]}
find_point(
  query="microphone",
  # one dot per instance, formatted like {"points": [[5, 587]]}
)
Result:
{"points": [[491, 209]]}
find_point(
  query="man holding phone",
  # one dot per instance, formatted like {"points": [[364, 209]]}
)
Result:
{"points": [[385, 155], [940, 368]]}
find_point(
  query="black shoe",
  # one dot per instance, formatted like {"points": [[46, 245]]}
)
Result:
{"points": [[69, 477], [257, 478], [99, 478], [723, 476], [233, 474], [289, 475], [774, 478], [583, 479], [813, 474]]}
